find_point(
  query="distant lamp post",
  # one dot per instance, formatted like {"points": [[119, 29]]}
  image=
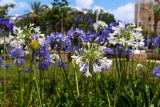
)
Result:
{"points": [[97, 14]]}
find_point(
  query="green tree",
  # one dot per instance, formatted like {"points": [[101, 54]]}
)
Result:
{"points": [[4, 10], [156, 15], [103, 16], [38, 10], [59, 3]]}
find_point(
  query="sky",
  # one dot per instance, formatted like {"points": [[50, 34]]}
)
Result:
{"points": [[122, 9]]}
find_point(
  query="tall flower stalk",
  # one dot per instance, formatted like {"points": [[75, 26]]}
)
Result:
{"points": [[4, 56], [123, 37], [5, 27]]}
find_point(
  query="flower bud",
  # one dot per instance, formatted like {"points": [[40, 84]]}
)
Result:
{"points": [[34, 44]]}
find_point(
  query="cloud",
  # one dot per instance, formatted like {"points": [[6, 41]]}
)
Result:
{"points": [[19, 9], [99, 8], [84, 3], [124, 13], [3, 2]]}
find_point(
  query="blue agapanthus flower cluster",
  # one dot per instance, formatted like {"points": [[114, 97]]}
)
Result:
{"points": [[76, 36], [58, 41], [109, 51], [113, 24], [18, 56], [119, 50], [76, 33], [148, 42], [2, 63], [103, 36], [6, 24], [61, 64], [156, 71], [157, 41], [43, 58], [90, 36], [83, 18]]}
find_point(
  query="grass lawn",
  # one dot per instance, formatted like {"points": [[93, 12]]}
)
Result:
{"points": [[12, 72]]}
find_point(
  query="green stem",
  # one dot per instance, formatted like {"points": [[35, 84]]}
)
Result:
{"points": [[66, 77], [35, 78], [156, 93], [20, 94], [75, 73], [116, 61], [38, 91], [4, 55]]}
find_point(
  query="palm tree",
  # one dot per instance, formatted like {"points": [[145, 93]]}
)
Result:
{"points": [[60, 9], [156, 15], [37, 11]]}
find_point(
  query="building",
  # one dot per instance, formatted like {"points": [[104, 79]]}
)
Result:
{"points": [[146, 14]]}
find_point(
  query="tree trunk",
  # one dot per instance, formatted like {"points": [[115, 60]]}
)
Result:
{"points": [[155, 24]]}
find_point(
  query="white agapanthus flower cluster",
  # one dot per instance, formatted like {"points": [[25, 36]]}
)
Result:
{"points": [[19, 40], [55, 57], [99, 25], [139, 67], [127, 36], [38, 36], [92, 57]]}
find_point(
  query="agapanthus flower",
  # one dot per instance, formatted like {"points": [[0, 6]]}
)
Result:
{"points": [[61, 64], [118, 50], [109, 51], [17, 43], [2, 63], [18, 56], [83, 18], [156, 71], [92, 56], [8, 66], [76, 36], [103, 65], [99, 25], [78, 19], [26, 70], [102, 36], [28, 36], [58, 41], [84, 68], [157, 41], [55, 57], [121, 50], [90, 37], [43, 57], [39, 38], [37, 30], [113, 24], [76, 33], [126, 35], [88, 19], [148, 42], [6, 24], [128, 52], [139, 67]]}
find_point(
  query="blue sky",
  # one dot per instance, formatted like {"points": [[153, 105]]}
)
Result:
{"points": [[122, 9]]}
